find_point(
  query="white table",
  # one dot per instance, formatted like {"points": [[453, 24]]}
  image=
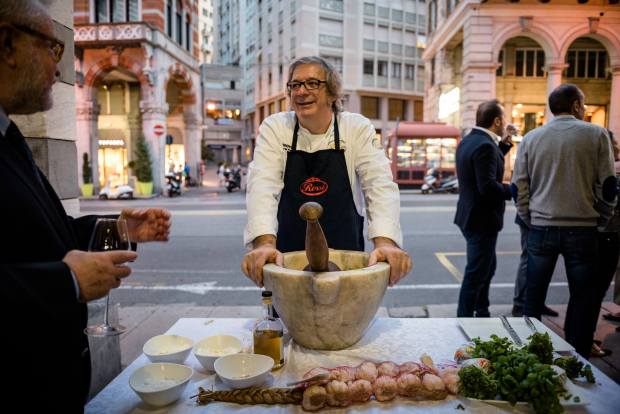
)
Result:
{"points": [[392, 339]]}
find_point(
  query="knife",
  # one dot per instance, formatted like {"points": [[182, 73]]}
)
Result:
{"points": [[511, 331], [530, 324]]}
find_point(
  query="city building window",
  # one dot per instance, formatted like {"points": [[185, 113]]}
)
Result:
{"points": [[396, 109], [169, 18], [369, 45], [370, 107], [502, 64], [179, 22], [383, 12], [331, 5], [397, 15], [272, 108], [410, 18], [396, 70], [529, 62], [336, 61], [586, 64], [232, 84], [410, 72], [418, 110], [433, 71], [382, 68], [432, 16], [369, 67], [369, 9], [188, 39], [116, 11]]}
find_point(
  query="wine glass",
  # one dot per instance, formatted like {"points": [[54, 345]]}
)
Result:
{"points": [[109, 234]]}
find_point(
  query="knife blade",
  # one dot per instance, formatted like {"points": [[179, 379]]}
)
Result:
{"points": [[530, 324], [511, 331]]}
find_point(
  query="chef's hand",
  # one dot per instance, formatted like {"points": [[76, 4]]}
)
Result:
{"points": [[398, 259], [264, 252], [148, 224]]}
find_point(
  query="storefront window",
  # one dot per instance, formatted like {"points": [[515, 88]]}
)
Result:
{"points": [[112, 162], [223, 111], [411, 153], [370, 107]]}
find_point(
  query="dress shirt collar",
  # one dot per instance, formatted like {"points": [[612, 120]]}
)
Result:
{"points": [[495, 138], [564, 118], [4, 121]]}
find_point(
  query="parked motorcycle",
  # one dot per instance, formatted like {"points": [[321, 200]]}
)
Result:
{"points": [[432, 183], [120, 192], [173, 184], [233, 179]]}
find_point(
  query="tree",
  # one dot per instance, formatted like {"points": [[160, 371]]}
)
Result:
{"points": [[141, 166], [87, 173]]}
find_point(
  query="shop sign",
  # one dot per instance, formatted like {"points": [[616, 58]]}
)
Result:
{"points": [[159, 130]]}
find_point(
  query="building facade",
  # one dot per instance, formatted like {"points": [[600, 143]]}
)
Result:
{"points": [[137, 74], [518, 52], [376, 45], [206, 31], [223, 94]]}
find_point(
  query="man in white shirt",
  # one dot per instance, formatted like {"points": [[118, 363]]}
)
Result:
{"points": [[319, 153]]}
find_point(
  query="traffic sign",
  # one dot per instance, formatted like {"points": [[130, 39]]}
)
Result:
{"points": [[158, 129]]}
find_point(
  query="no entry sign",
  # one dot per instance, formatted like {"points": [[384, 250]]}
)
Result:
{"points": [[158, 130]]}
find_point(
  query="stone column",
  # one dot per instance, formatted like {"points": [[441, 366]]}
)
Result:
{"points": [[192, 142], [614, 103], [478, 67], [152, 116], [87, 138], [554, 79]]}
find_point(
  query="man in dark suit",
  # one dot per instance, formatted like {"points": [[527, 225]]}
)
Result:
{"points": [[46, 277], [481, 204]]}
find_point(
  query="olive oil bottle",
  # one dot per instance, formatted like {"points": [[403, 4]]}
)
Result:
{"points": [[269, 333]]}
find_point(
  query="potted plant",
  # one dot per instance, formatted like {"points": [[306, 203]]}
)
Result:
{"points": [[141, 167], [87, 177]]}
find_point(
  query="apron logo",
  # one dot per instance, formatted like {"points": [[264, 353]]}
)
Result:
{"points": [[313, 187]]}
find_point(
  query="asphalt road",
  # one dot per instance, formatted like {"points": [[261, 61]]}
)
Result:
{"points": [[200, 265]]}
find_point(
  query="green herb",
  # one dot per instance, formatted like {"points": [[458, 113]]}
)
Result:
{"points": [[574, 368], [522, 377], [540, 345], [475, 383], [492, 349]]}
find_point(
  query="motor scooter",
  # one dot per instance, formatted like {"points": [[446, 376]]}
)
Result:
{"points": [[432, 184], [120, 192], [233, 180], [173, 184]]}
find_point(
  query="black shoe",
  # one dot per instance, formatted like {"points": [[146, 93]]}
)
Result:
{"points": [[517, 311], [548, 311]]}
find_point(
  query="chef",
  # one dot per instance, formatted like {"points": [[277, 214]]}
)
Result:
{"points": [[319, 153]]}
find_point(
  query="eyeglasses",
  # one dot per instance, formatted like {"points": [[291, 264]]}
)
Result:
{"points": [[310, 84], [57, 46]]}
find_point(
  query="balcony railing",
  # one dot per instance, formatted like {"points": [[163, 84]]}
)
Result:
{"points": [[113, 33]]}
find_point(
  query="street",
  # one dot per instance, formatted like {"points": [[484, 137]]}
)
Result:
{"points": [[200, 265]]}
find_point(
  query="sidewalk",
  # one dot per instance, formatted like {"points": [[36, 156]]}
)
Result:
{"points": [[111, 355]]}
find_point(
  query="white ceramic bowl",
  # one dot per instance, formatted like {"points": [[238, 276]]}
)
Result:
{"points": [[211, 348], [160, 383], [168, 348], [243, 370]]}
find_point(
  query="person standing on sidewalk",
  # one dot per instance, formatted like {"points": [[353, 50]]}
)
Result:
{"points": [[481, 203], [46, 277], [520, 282], [320, 153], [565, 182]]}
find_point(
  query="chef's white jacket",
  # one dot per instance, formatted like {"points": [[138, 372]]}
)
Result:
{"points": [[367, 166]]}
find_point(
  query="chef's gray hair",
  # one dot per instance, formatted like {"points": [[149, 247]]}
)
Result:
{"points": [[26, 12], [332, 77]]}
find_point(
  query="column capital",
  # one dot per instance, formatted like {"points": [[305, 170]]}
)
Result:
{"points": [[87, 110], [556, 67]]}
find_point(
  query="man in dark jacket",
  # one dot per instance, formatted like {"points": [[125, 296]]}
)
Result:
{"points": [[46, 277], [480, 209]]}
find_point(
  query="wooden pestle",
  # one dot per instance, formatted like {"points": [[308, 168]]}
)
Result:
{"points": [[317, 250]]}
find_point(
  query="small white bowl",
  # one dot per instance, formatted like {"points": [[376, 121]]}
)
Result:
{"points": [[211, 348], [168, 348], [160, 383], [243, 370]]}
